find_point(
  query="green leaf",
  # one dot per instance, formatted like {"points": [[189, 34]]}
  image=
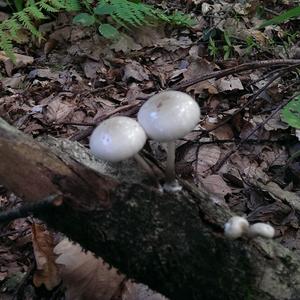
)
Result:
{"points": [[289, 14], [103, 9], [227, 39], [108, 31], [84, 19], [291, 113]]}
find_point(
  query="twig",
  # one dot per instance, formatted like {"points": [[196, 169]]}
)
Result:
{"points": [[271, 11], [236, 141], [254, 96], [85, 133], [29, 209], [237, 69], [218, 166]]}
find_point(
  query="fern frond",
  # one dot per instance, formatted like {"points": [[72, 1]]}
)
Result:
{"points": [[125, 12], [47, 7], [25, 20], [72, 5], [6, 44], [35, 12], [59, 4], [14, 27]]}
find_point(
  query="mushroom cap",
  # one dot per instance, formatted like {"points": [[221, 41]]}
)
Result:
{"points": [[117, 138], [236, 227], [261, 229], [169, 115]]}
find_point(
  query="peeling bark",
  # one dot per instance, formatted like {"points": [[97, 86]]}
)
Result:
{"points": [[174, 243]]}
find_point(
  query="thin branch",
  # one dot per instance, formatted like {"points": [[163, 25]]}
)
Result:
{"points": [[218, 166], [30, 208], [253, 98], [237, 69], [85, 133]]}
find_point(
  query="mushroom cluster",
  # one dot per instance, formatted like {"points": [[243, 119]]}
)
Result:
{"points": [[164, 117], [236, 227]]}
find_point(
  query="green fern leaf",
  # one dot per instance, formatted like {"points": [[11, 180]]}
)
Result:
{"points": [[27, 23], [72, 5], [6, 45], [34, 12], [130, 12], [14, 27], [59, 4], [44, 5]]}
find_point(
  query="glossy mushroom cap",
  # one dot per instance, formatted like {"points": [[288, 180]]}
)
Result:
{"points": [[236, 227], [117, 138], [169, 115], [261, 229]]}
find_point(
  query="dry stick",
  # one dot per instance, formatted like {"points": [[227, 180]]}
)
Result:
{"points": [[279, 107], [253, 98], [28, 209], [237, 69], [258, 92], [264, 77], [85, 133]]}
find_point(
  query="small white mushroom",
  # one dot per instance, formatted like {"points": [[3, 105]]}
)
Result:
{"points": [[261, 229], [236, 227], [117, 138], [168, 116]]}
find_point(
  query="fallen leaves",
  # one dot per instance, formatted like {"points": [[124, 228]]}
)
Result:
{"points": [[88, 277], [20, 61], [46, 269], [85, 78]]}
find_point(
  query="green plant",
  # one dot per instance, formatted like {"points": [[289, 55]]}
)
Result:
{"points": [[125, 13], [26, 18], [122, 13], [291, 113], [213, 49], [251, 44], [228, 48], [287, 15]]}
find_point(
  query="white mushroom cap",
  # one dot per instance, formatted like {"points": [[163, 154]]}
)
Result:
{"points": [[169, 115], [235, 227], [117, 138], [261, 229]]}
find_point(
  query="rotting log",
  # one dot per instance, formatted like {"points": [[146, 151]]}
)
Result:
{"points": [[174, 243]]}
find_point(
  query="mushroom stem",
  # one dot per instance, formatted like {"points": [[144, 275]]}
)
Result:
{"points": [[170, 168]]}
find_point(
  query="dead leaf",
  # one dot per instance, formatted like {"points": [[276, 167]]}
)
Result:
{"points": [[229, 83], [125, 44], [85, 276], [203, 158], [43, 245], [136, 71], [14, 82], [21, 61], [279, 194], [45, 73], [88, 277], [273, 124], [91, 68], [57, 111], [149, 36], [216, 185], [223, 132], [199, 68]]}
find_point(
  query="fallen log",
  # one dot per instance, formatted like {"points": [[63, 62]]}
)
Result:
{"points": [[174, 243]]}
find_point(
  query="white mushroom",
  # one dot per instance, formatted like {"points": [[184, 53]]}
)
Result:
{"points": [[261, 229], [168, 116], [117, 138], [236, 227]]}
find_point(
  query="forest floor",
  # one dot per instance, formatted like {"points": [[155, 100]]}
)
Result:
{"points": [[242, 150]]}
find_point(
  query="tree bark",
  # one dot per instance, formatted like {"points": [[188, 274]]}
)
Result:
{"points": [[174, 243]]}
